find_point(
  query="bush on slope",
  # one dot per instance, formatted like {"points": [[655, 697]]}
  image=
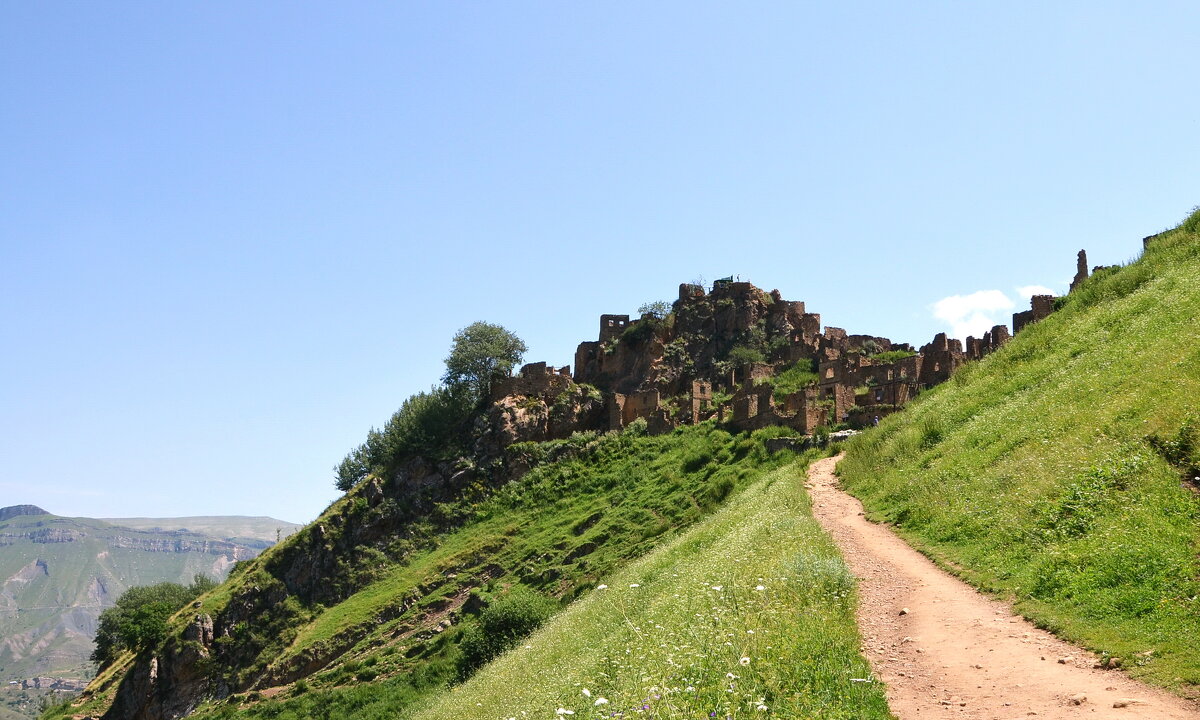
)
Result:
{"points": [[1053, 471]]}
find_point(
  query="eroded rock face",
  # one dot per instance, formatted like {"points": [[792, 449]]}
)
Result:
{"points": [[521, 418], [169, 685]]}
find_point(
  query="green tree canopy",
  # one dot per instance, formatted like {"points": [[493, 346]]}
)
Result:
{"points": [[428, 423], [139, 619], [435, 424], [482, 352], [658, 309]]}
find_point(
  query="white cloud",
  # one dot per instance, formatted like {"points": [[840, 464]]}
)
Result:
{"points": [[972, 314], [1027, 291]]}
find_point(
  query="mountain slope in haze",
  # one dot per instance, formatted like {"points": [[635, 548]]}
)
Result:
{"points": [[57, 574], [1062, 471], [241, 529]]}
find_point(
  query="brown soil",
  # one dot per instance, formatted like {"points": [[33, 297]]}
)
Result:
{"points": [[945, 651]]}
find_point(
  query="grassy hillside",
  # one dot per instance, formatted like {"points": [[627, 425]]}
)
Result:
{"points": [[589, 506], [749, 614], [1061, 470]]}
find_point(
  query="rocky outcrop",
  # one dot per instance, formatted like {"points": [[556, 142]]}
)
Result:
{"points": [[12, 511], [170, 684], [181, 542], [538, 405]]}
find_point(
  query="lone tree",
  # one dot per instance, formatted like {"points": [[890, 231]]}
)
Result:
{"points": [[139, 619], [481, 353], [436, 424]]}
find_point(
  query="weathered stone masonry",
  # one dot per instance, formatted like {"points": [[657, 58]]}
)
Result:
{"points": [[672, 374]]}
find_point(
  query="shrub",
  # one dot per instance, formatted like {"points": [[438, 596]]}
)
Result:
{"points": [[429, 424], [744, 355], [658, 309], [640, 331], [138, 621], [1181, 451], [501, 625], [697, 459], [892, 356], [1192, 223]]}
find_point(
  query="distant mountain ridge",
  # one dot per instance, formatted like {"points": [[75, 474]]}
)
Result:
{"points": [[228, 527], [57, 575]]}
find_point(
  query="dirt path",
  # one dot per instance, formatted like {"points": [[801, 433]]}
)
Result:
{"points": [[945, 651]]}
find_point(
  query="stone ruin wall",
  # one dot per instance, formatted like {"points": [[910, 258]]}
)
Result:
{"points": [[735, 307]]}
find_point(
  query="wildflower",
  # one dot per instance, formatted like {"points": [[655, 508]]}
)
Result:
{"points": [[717, 587], [587, 693], [761, 708], [601, 587], [744, 661], [564, 711], [760, 587], [634, 585], [600, 701]]}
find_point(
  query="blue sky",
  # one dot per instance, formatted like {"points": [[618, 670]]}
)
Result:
{"points": [[234, 236]]}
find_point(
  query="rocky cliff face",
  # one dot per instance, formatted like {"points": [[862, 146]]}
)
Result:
{"points": [[695, 342]]}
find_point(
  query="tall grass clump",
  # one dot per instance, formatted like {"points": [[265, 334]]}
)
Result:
{"points": [[1060, 471], [748, 614]]}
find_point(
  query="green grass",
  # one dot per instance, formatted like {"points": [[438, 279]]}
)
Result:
{"points": [[891, 356], [1032, 472], [749, 614], [559, 530], [795, 378]]}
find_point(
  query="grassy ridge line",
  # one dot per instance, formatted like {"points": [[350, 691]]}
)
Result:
{"points": [[1032, 475], [748, 614]]}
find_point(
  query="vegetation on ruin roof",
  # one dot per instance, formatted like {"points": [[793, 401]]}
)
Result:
{"points": [[1054, 471], [793, 379], [891, 356]]}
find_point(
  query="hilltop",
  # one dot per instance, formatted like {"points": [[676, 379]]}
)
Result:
{"points": [[556, 480], [57, 574], [671, 431]]}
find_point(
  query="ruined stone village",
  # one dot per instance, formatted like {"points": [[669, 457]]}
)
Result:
{"points": [[723, 353]]}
